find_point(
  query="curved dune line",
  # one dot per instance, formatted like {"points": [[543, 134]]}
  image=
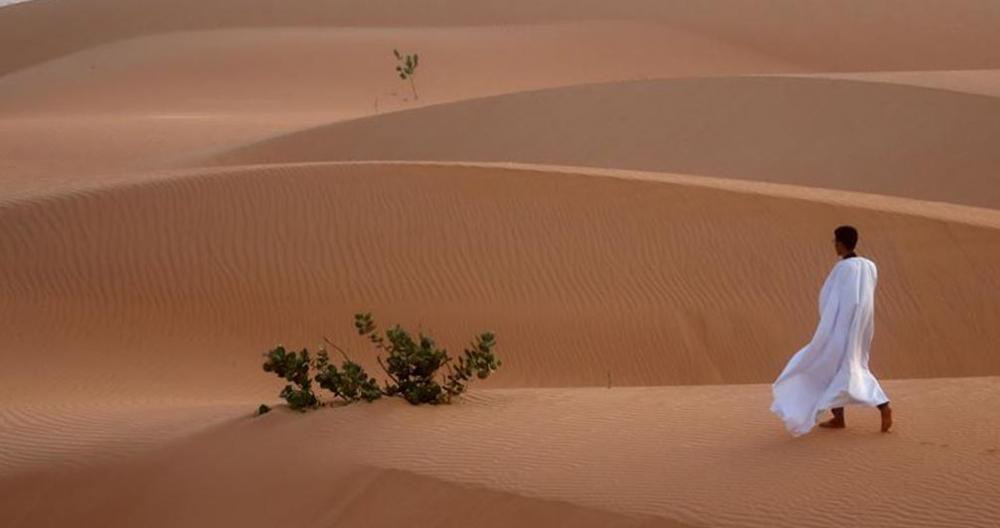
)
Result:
{"points": [[649, 456], [667, 451], [351, 494], [876, 138], [980, 82], [341, 71], [70, 434], [893, 35], [177, 284], [949, 212]]}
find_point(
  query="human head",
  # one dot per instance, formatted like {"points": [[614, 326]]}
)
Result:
{"points": [[845, 239]]}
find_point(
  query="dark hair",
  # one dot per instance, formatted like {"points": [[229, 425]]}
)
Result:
{"points": [[846, 235]]}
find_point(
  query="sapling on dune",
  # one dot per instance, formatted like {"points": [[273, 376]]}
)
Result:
{"points": [[407, 68]]}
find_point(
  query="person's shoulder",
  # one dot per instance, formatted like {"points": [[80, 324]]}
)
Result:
{"points": [[855, 264], [863, 265]]}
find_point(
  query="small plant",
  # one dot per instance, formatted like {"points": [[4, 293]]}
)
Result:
{"points": [[293, 367], [406, 68], [412, 365], [478, 361], [350, 382], [263, 409]]}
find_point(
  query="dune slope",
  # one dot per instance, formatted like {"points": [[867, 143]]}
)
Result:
{"points": [[685, 284], [656, 456], [851, 35], [162, 99], [878, 138], [342, 70]]}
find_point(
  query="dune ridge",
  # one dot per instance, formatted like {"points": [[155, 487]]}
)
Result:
{"points": [[789, 130], [649, 456], [72, 435], [848, 36], [163, 99], [341, 70], [159, 99], [981, 82], [578, 270]]}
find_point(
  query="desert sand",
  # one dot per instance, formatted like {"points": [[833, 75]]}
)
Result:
{"points": [[637, 197]]}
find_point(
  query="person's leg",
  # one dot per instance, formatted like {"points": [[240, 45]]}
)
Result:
{"points": [[886, 416], [837, 422]]}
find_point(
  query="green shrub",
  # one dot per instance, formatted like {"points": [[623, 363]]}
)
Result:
{"points": [[478, 361], [350, 382], [413, 367], [412, 364], [293, 367]]}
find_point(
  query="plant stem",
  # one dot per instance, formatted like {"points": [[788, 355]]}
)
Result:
{"points": [[393, 378], [334, 345], [413, 87]]}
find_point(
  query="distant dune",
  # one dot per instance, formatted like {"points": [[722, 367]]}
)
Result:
{"points": [[165, 99], [871, 137], [850, 35]]}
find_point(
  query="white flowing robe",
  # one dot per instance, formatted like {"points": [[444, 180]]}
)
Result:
{"points": [[832, 370]]}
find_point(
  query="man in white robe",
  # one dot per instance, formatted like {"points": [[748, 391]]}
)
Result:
{"points": [[832, 370]]}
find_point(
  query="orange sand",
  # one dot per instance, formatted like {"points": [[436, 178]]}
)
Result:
{"points": [[637, 194]]}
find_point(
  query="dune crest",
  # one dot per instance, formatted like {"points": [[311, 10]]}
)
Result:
{"points": [[829, 133], [563, 267], [851, 35]]}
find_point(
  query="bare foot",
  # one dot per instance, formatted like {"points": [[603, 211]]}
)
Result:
{"points": [[834, 423], [886, 418]]}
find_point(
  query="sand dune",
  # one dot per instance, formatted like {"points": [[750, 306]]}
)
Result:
{"points": [[155, 100], [879, 138], [143, 280], [171, 91], [316, 488], [852, 35], [663, 456], [340, 71], [636, 196], [68, 434], [45, 155], [981, 82]]}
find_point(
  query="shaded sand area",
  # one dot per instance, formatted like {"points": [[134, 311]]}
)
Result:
{"points": [[864, 136], [657, 456], [636, 195]]}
